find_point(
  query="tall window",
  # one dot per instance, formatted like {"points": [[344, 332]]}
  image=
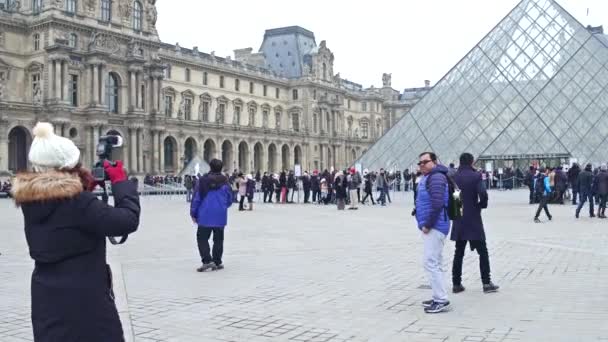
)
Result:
{"points": [[168, 72], [276, 92], [205, 111], [36, 41], [169, 150], [112, 89], [187, 75], [324, 71], [295, 94], [265, 90], [143, 96], [106, 10], [70, 6], [315, 122], [222, 112], [364, 129], [74, 90], [251, 87], [364, 106], [348, 102], [168, 105], [237, 84], [237, 115], [188, 109], [205, 78], [137, 16], [36, 6], [221, 81], [295, 122], [73, 40]]}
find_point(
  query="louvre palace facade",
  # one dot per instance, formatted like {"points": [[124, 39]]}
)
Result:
{"points": [[97, 67]]}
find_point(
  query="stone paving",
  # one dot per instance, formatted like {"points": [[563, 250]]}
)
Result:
{"points": [[309, 273]]}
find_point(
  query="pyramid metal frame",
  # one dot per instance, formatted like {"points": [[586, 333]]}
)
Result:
{"points": [[536, 84]]}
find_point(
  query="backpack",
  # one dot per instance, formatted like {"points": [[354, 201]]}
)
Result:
{"points": [[539, 185], [454, 208]]}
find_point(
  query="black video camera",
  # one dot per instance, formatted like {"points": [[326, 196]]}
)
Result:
{"points": [[104, 152]]}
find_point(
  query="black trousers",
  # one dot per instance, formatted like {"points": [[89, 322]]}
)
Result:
{"points": [[484, 261], [370, 195], [267, 194], [202, 238], [242, 202], [532, 197], [278, 195], [543, 205], [316, 196], [306, 195], [359, 195], [603, 200], [574, 196]]}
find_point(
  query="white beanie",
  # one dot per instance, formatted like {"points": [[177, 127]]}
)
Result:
{"points": [[49, 151]]}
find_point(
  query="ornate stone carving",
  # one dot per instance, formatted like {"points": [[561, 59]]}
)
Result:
{"points": [[152, 13], [104, 42], [90, 5], [37, 98], [58, 3], [182, 108], [134, 49], [219, 116], [2, 86], [386, 80], [125, 8], [1, 39]]}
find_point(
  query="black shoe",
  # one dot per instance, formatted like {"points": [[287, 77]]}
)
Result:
{"points": [[550, 218], [536, 220], [205, 267], [217, 267], [458, 288], [428, 303], [490, 287], [437, 307], [576, 215], [592, 215]]}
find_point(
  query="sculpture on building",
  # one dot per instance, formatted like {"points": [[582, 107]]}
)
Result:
{"points": [[219, 116], [90, 5], [386, 79], [152, 13], [134, 49], [37, 94], [182, 108], [2, 87], [58, 3], [101, 41], [251, 117], [277, 120], [125, 8]]}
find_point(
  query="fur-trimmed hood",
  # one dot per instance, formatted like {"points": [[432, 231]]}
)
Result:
{"points": [[46, 186]]}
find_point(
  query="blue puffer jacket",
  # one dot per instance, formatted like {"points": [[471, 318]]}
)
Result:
{"points": [[211, 201], [431, 205]]}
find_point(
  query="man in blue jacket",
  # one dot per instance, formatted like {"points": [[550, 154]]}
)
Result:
{"points": [[209, 210], [434, 223], [542, 187]]}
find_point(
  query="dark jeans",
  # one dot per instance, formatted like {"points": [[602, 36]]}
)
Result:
{"points": [[370, 195], [603, 199], [202, 238], [574, 196], [306, 195], [584, 197], [316, 196], [532, 196], [359, 195], [249, 200], [544, 199], [268, 196], [484, 261], [278, 195]]}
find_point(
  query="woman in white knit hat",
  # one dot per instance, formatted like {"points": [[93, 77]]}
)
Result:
{"points": [[66, 227]]}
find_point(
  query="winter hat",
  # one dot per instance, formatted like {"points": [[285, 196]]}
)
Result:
{"points": [[49, 151], [249, 177]]}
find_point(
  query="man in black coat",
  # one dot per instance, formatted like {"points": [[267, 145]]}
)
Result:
{"points": [[266, 187], [469, 228], [291, 185], [529, 181], [561, 183], [573, 173], [306, 184], [315, 184], [585, 184]]}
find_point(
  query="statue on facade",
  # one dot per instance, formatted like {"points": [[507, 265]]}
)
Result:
{"points": [[37, 94], [125, 8], [265, 120], [58, 3], [152, 13], [386, 79], [90, 5], [2, 87], [277, 120], [134, 49]]}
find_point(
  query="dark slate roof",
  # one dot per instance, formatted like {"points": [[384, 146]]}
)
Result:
{"points": [[285, 49]]}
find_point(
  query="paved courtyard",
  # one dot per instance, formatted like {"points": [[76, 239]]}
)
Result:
{"points": [[309, 273]]}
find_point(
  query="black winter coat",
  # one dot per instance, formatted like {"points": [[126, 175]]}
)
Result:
{"points": [[306, 183], [315, 183], [66, 230], [585, 182], [474, 199], [602, 183]]}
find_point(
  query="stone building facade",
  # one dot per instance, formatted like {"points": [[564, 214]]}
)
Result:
{"points": [[97, 67]]}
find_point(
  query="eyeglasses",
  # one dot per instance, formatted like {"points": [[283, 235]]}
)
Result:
{"points": [[424, 162]]}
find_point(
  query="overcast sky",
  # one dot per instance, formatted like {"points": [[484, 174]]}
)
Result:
{"points": [[414, 40]]}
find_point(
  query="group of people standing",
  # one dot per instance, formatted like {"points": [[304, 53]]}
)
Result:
{"points": [[549, 185]]}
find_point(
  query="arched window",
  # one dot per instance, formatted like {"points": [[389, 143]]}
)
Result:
{"points": [[106, 10], [73, 40], [70, 6], [112, 89], [137, 16]]}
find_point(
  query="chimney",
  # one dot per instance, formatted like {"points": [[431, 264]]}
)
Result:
{"points": [[427, 83]]}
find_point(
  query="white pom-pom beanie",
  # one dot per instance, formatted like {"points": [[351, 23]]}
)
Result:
{"points": [[49, 151]]}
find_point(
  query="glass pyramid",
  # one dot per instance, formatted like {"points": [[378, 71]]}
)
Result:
{"points": [[535, 85]]}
